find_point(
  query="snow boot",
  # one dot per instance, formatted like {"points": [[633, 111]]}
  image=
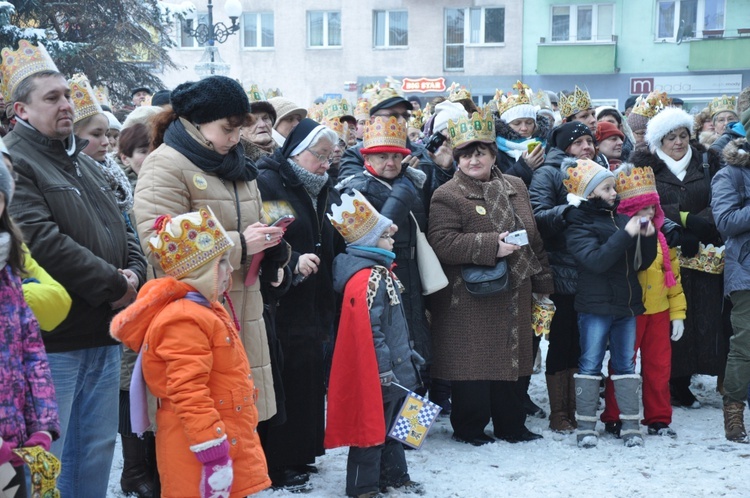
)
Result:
{"points": [[136, 479], [587, 399], [734, 421], [557, 388], [571, 394], [628, 396]]}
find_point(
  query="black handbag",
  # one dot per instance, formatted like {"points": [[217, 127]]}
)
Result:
{"points": [[483, 281]]}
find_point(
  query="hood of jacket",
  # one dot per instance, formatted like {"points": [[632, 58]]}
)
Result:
{"points": [[131, 324], [345, 265], [503, 129], [737, 153]]}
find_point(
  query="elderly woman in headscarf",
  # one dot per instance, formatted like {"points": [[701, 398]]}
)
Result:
{"points": [[683, 179], [256, 136], [297, 174]]}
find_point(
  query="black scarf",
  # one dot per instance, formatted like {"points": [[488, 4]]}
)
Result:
{"points": [[233, 166]]}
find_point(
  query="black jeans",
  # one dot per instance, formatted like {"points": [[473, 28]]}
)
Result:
{"points": [[564, 338], [375, 467], [475, 402]]}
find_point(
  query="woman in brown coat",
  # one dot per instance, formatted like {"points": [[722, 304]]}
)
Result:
{"points": [[484, 344]]}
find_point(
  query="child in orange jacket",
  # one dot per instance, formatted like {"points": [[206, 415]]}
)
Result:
{"points": [[193, 361]]}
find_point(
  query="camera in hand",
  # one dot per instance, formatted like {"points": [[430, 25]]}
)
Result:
{"points": [[434, 142], [519, 238]]}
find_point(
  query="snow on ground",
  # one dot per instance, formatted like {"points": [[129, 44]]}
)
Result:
{"points": [[700, 462]]}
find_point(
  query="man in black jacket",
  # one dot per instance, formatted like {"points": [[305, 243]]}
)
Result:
{"points": [[75, 230]]}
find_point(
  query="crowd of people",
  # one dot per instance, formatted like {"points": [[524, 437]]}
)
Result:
{"points": [[235, 283]]}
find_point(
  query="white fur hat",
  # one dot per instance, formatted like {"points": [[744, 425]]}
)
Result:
{"points": [[665, 122], [519, 112]]}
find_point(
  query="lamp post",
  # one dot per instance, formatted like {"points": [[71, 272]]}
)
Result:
{"points": [[211, 62]]}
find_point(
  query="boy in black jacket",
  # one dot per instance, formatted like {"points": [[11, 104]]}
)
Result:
{"points": [[610, 249]]}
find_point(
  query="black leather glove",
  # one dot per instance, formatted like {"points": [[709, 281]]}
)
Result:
{"points": [[689, 244], [672, 232], [705, 231]]}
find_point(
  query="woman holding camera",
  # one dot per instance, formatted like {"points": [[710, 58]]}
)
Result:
{"points": [[482, 344]]}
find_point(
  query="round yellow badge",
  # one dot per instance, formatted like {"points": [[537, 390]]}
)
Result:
{"points": [[200, 182], [481, 210]]}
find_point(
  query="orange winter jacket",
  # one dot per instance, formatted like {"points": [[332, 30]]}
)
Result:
{"points": [[194, 362]]}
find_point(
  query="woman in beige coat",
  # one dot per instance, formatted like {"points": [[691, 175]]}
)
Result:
{"points": [[196, 163]]}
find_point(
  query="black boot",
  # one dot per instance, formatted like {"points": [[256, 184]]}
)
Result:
{"points": [[530, 408], [440, 394], [136, 479]]}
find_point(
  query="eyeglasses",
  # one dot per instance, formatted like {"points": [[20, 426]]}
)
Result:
{"points": [[320, 157]]}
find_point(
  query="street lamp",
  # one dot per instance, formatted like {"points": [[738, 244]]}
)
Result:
{"points": [[211, 62]]}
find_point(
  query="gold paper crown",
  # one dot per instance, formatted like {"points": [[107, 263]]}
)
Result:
{"points": [[380, 93], [254, 94], [709, 259], [82, 94], [579, 174], [354, 217], [362, 110], [576, 102], [273, 92], [381, 131], [456, 93], [17, 65], [102, 95], [336, 109], [721, 104], [335, 124], [652, 104], [505, 102], [541, 99], [186, 243], [635, 182], [480, 127], [417, 119], [315, 112]]}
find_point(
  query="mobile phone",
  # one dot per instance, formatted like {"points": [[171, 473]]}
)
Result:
{"points": [[284, 221], [644, 222], [531, 146]]}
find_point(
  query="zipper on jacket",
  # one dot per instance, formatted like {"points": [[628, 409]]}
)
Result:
{"points": [[627, 269], [78, 170], [64, 188]]}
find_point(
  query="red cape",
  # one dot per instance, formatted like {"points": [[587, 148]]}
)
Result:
{"points": [[355, 400]]}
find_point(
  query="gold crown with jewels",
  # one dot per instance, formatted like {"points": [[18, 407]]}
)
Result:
{"points": [[479, 127], [635, 182], [505, 102], [18, 64], [384, 131], [652, 104], [574, 103], [335, 124], [84, 100], [362, 109], [102, 95], [721, 104], [354, 217], [315, 112], [254, 94], [457, 93], [189, 241]]}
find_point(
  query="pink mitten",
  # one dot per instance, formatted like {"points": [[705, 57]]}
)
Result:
{"points": [[39, 438], [6, 451], [217, 475]]}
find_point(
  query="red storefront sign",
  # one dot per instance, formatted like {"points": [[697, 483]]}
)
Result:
{"points": [[423, 85]]}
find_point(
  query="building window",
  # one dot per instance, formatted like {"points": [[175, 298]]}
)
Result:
{"points": [[188, 41], [475, 26], [257, 29], [583, 23], [390, 28], [324, 29], [681, 19]]}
